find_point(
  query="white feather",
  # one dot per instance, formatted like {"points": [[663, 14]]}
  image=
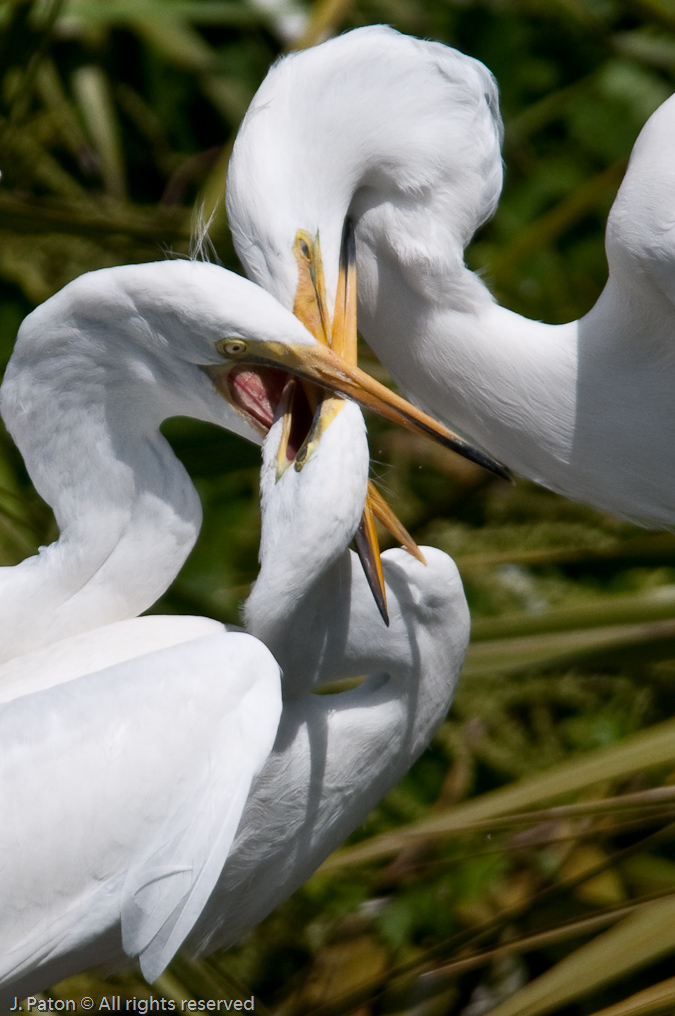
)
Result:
{"points": [[403, 136]]}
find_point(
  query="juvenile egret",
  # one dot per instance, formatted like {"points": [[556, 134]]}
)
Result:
{"points": [[402, 138], [140, 770], [95, 371]]}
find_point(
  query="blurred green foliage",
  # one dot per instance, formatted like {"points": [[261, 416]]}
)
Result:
{"points": [[116, 120]]}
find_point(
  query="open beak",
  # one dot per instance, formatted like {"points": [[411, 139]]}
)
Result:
{"points": [[341, 336], [323, 375], [321, 366], [332, 363], [324, 368]]}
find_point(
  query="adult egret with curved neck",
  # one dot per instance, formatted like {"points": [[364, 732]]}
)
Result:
{"points": [[142, 771], [402, 138], [95, 371]]}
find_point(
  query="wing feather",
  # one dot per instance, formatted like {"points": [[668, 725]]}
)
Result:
{"points": [[141, 771], [167, 889]]}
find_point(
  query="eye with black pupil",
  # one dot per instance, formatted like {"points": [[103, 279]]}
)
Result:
{"points": [[304, 248], [234, 347]]}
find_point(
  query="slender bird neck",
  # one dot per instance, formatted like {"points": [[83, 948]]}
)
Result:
{"points": [[127, 512], [505, 382], [342, 753], [308, 520]]}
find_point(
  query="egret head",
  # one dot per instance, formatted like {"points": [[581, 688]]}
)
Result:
{"points": [[374, 134], [187, 338], [144, 342], [396, 132], [248, 345]]}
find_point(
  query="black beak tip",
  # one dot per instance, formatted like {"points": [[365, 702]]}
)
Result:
{"points": [[362, 549]]}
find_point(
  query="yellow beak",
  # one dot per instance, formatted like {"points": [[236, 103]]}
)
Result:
{"points": [[340, 334], [322, 366]]}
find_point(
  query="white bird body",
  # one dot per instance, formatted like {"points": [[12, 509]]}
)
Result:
{"points": [[91, 651], [121, 793], [142, 770], [335, 756], [403, 137], [102, 724], [119, 764]]}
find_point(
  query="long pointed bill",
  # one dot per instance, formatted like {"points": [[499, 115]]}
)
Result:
{"points": [[344, 337], [310, 304], [384, 514], [255, 380], [310, 307], [368, 549], [344, 343], [322, 366]]}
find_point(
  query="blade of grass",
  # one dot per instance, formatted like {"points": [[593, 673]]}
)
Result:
{"points": [[656, 548], [140, 223], [52, 94], [176, 41], [660, 998], [589, 834], [603, 611], [652, 747], [205, 13], [567, 648], [92, 90], [23, 94], [610, 805], [573, 929], [642, 938]]}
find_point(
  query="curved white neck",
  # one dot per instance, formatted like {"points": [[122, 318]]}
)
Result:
{"points": [[403, 136], [360, 115], [335, 756], [308, 519], [339, 754], [127, 512], [563, 405], [505, 382]]}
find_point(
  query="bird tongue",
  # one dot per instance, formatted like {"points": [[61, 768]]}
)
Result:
{"points": [[258, 392]]}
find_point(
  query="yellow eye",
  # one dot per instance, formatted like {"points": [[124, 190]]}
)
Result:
{"points": [[232, 347]]}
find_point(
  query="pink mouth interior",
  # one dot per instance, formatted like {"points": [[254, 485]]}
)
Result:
{"points": [[258, 392]]}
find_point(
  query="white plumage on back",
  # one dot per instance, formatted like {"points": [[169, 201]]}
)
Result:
{"points": [[140, 773]]}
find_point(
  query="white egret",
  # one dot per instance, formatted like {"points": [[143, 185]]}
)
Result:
{"points": [[135, 741], [402, 138], [95, 371], [140, 771]]}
